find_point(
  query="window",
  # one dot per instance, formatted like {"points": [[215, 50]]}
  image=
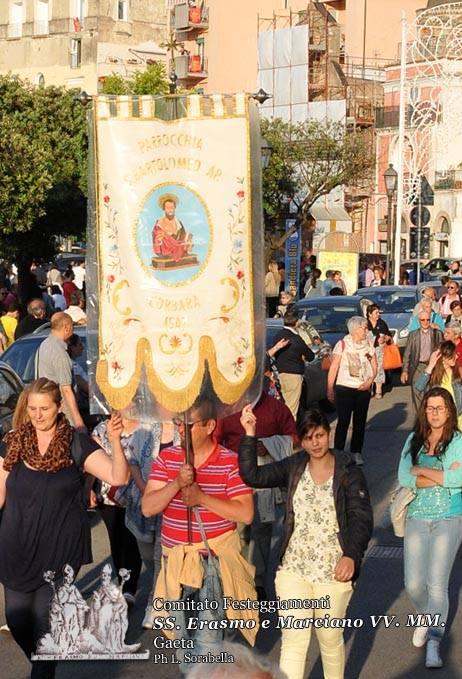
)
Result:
{"points": [[122, 10], [75, 53], [16, 19], [77, 10], [42, 17], [77, 14]]}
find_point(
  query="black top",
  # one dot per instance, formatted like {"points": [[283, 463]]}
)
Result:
{"points": [[380, 329], [289, 359], [44, 523], [28, 324]]}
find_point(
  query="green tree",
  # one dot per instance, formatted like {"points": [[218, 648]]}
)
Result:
{"points": [[309, 160], [43, 161], [153, 80]]}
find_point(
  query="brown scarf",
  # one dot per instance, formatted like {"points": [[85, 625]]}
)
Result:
{"points": [[22, 444]]}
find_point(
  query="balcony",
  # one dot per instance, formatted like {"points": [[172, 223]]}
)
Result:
{"points": [[191, 67], [41, 27], [14, 30], [188, 18], [449, 180]]}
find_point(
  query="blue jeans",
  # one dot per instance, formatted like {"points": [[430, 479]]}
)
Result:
{"points": [[204, 640], [430, 548]]}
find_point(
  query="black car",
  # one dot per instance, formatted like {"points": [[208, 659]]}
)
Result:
{"points": [[329, 315]]}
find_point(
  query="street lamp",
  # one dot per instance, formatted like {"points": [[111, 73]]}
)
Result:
{"points": [[266, 152], [391, 181]]}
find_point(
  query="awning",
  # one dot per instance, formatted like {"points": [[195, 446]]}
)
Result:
{"points": [[329, 213]]}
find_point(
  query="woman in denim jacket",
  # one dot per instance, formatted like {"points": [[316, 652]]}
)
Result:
{"points": [[443, 371], [431, 464]]}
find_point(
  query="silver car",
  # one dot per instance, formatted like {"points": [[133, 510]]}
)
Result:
{"points": [[397, 303]]}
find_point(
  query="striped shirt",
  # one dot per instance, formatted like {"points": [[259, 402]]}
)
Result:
{"points": [[218, 476]]}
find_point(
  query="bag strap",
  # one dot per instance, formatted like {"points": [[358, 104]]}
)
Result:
{"points": [[202, 530]]}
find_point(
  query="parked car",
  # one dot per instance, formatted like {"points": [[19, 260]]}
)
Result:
{"points": [[21, 355], [315, 382], [439, 266], [410, 267], [10, 388], [329, 315], [396, 303], [64, 259]]}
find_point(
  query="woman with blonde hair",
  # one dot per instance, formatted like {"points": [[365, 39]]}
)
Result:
{"points": [[272, 284], [287, 299], [44, 523]]}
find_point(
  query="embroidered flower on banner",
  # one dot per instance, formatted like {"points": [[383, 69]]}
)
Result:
{"points": [[236, 234], [238, 365], [175, 342], [116, 367]]}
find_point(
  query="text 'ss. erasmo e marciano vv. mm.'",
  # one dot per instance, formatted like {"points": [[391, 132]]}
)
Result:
{"points": [[286, 621]]}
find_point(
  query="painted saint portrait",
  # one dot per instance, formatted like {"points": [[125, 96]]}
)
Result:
{"points": [[173, 234], [172, 245]]}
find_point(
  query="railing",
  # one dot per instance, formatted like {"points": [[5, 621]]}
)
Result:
{"points": [[41, 28], [15, 30], [387, 116]]}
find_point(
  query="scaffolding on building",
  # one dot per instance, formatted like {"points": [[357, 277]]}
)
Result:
{"points": [[333, 78]]}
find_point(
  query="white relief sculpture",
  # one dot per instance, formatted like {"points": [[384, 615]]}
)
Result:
{"points": [[81, 631]]}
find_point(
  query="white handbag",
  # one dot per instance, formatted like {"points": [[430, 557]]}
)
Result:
{"points": [[400, 500]]}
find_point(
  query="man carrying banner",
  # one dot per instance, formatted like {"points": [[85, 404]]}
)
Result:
{"points": [[206, 568]]}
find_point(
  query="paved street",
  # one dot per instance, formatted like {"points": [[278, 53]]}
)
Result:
{"points": [[372, 653]]}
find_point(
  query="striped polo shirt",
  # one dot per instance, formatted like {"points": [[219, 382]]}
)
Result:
{"points": [[218, 476]]}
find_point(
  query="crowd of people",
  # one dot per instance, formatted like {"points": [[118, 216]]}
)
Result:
{"points": [[267, 510]]}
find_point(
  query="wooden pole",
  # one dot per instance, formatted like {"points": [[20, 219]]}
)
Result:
{"points": [[189, 459]]}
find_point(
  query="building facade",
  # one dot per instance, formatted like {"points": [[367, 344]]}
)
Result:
{"points": [[433, 136], [76, 43], [223, 36]]}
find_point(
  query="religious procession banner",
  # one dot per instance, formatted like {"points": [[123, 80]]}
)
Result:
{"points": [[177, 308]]}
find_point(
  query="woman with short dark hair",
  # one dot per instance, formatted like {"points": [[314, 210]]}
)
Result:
{"points": [[381, 336], [431, 464], [328, 526]]}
